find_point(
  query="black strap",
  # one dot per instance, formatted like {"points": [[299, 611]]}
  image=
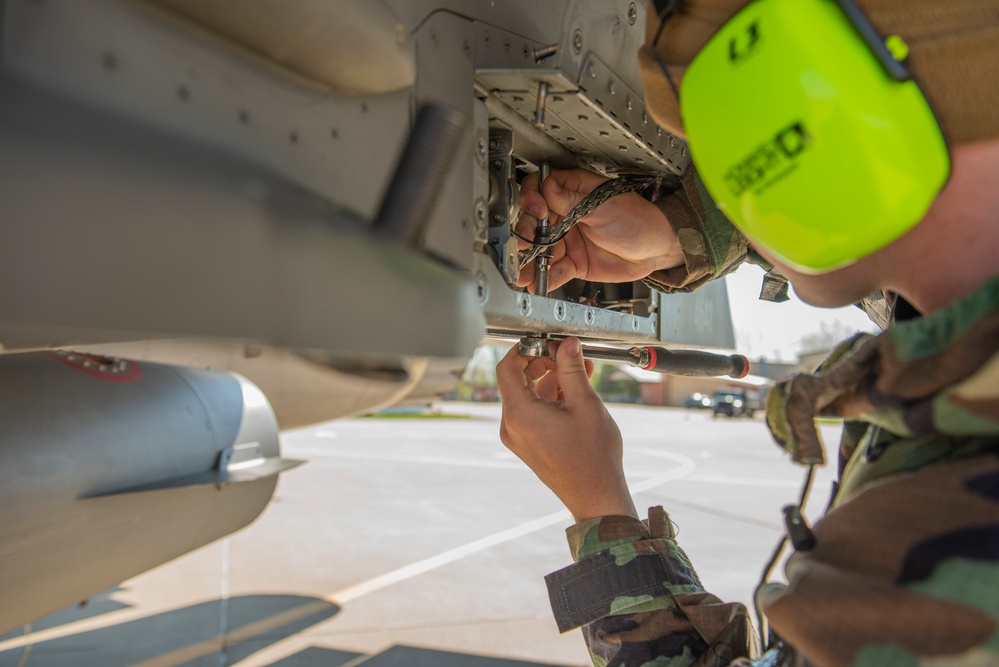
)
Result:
{"points": [[666, 7], [586, 591]]}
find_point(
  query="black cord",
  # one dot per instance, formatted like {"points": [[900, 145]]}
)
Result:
{"points": [[766, 640]]}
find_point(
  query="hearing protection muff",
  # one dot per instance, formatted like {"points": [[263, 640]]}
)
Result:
{"points": [[809, 132]]}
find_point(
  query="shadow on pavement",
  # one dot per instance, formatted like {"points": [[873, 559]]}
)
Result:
{"points": [[95, 606], [210, 633], [399, 656], [317, 657]]}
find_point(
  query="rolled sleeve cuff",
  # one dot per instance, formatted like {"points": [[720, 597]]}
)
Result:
{"points": [[711, 245], [623, 565]]}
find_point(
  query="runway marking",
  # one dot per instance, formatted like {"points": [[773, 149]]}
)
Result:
{"points": [[744, 481], [76, 627], [410, 458], [686, 466], [375, 584], [426, 565], [186, 654], [718, 479]]}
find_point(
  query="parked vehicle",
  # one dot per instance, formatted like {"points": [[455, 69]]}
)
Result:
{"points": [[698, 401], [736, 403]]}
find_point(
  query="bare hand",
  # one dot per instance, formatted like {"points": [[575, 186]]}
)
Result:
{"points": [[624, 239], [562, 431]]}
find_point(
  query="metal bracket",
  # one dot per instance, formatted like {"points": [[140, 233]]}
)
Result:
{"points": [[504, 203], [513, 313]]}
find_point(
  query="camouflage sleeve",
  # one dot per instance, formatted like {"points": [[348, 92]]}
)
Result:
{"points": [[639, 600], [905, 568], [712, 246]]}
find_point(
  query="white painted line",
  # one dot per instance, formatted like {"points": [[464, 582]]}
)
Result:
{"points": [[410, 458], [426, 565], [744, 481], [719, 479], [686, 466], [81, 626], [278, 650], [187, 654]]}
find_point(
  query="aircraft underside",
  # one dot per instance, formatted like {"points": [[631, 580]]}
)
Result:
{"points": [[224, 219]]}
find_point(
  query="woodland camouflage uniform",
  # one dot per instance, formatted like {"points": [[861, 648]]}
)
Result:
{"points": [[904, 567]]}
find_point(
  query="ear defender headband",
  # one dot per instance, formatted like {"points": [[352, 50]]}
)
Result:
{"points": [[809, 132]]}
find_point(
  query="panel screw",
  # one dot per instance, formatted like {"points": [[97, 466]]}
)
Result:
{"points": [[482, 288], [577, 41], [525, 304], [494, 144], [612, 88], [481, 145], [632, 13]]}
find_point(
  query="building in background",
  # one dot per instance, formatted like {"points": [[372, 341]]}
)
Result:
{"points": [[673, 390]]}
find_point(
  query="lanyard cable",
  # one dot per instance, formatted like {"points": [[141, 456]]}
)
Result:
{"points": [[766, 637]]}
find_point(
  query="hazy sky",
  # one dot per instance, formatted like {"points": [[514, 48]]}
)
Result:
{"points": [[774, 330]]}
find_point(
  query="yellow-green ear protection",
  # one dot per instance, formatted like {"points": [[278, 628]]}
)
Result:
{"points": [[809, 132]]}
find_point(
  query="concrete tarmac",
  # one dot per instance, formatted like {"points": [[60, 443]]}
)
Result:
{"points": [[423, 542]]}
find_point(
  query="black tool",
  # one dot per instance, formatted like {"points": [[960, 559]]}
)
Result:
{"points": [[692, 363]]}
